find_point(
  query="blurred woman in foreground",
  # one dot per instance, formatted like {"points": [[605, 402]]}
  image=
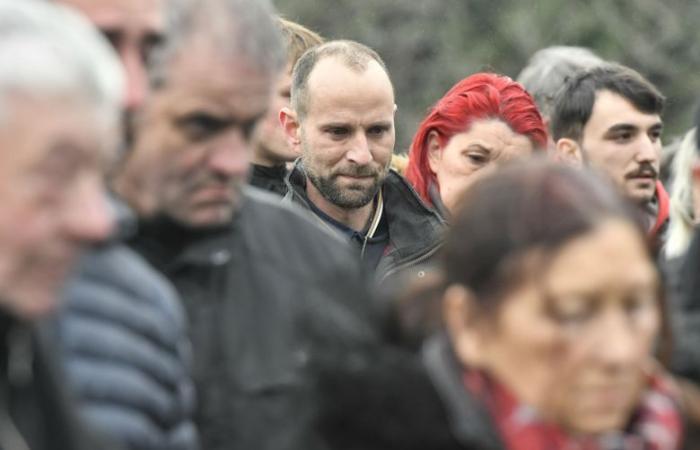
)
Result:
{"points": [[482, 122], [552, 312]]}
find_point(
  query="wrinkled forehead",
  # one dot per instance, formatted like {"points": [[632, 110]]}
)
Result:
{"points": [[200, 76]]}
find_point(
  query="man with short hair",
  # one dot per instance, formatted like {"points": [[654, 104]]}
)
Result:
{"points": [[255, 276], [271, 152], [342, 123], [609, 117], [60, 88]]}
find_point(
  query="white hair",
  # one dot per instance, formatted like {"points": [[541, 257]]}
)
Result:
{"points": [[548, 70], [239, 29], [680, 229], [46, 50]]}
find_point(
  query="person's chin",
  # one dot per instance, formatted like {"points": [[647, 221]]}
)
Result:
{"points": [[33, 303], [641, 191], [210, 215]]}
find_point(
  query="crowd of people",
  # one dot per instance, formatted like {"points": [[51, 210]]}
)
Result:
{"points": [[208, 240]]}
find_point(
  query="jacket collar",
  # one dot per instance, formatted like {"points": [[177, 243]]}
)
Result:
{"points": [[414, 228]]}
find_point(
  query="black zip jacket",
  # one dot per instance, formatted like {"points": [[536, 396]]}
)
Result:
{"points": [[253, 290], [415, 231]]}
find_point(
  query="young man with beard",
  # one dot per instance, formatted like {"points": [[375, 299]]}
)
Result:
{"points": [[271, 152], [255, 276], [342, 123], [609, 117]]}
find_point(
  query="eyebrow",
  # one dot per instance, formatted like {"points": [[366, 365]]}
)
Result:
{"points": [[382, 124], [479, 146], [620, 127]]}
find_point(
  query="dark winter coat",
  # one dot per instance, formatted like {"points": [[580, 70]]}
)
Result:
{"points": [[126, 352], [36, 412], [415, 231], [252, 290]]}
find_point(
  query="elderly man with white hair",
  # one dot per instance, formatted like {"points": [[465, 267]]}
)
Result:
{"points": [[60, 90]]}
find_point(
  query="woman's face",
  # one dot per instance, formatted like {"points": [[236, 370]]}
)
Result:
{"points": [[466, 156], [574, 339]]}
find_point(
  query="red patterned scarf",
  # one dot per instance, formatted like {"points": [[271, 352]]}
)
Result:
{"points": [[657, 425]]}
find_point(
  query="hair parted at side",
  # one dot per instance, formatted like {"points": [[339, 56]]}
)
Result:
{"points": [[479, 96], [574, 102], [354, 55], [298, 39], [237, 29], [531, 205]]}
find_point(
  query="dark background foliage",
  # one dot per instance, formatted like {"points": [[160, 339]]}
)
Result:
{"points": [[430, 45]]}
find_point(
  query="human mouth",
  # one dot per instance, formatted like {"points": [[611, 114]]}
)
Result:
{"points": [[212, 194], [645, 175]]}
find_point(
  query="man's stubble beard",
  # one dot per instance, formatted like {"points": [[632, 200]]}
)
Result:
{"points": [[347, 198]]}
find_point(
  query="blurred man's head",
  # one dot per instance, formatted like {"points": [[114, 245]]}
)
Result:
{"points": [[60, 90], [211, 84], [342, 122], [134, 28], [610, 118], [270, 143], [549, 68]]}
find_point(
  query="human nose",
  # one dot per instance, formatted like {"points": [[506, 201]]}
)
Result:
{"points": [[649, 150], [136, 77], [618, 344], [230, 155], [359, 152], [88, 217]]}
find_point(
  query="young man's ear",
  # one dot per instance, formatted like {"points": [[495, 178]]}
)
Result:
{"points": [[461, 321], [290, 125], [569, 151]]}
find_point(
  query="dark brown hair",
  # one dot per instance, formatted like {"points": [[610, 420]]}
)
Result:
{"points": [[536, 205]]}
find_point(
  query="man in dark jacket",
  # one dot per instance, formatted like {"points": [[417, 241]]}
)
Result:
{"points": [[255, 276], [342, 123], [60, 87]]}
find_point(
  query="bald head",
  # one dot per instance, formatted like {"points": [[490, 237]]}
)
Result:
{"points": [[350, 54]]}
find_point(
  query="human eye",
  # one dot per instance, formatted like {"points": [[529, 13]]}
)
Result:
{"points": [[655, 134], [199, 126], [638, 303], [338, 132], [478, 158], [622, 136], [378, 130], [572, 312]]}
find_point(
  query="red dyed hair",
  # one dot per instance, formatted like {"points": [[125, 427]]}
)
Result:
{"points": [[479, 96]]}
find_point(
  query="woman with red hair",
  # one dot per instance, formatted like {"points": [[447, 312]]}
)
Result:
{"points": [[484, 121]]}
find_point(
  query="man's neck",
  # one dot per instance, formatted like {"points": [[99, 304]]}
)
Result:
{"points": [[355, 219]]}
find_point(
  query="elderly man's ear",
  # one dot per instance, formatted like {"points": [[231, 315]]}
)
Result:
{"points": [[290, 125], [569, 151]]}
